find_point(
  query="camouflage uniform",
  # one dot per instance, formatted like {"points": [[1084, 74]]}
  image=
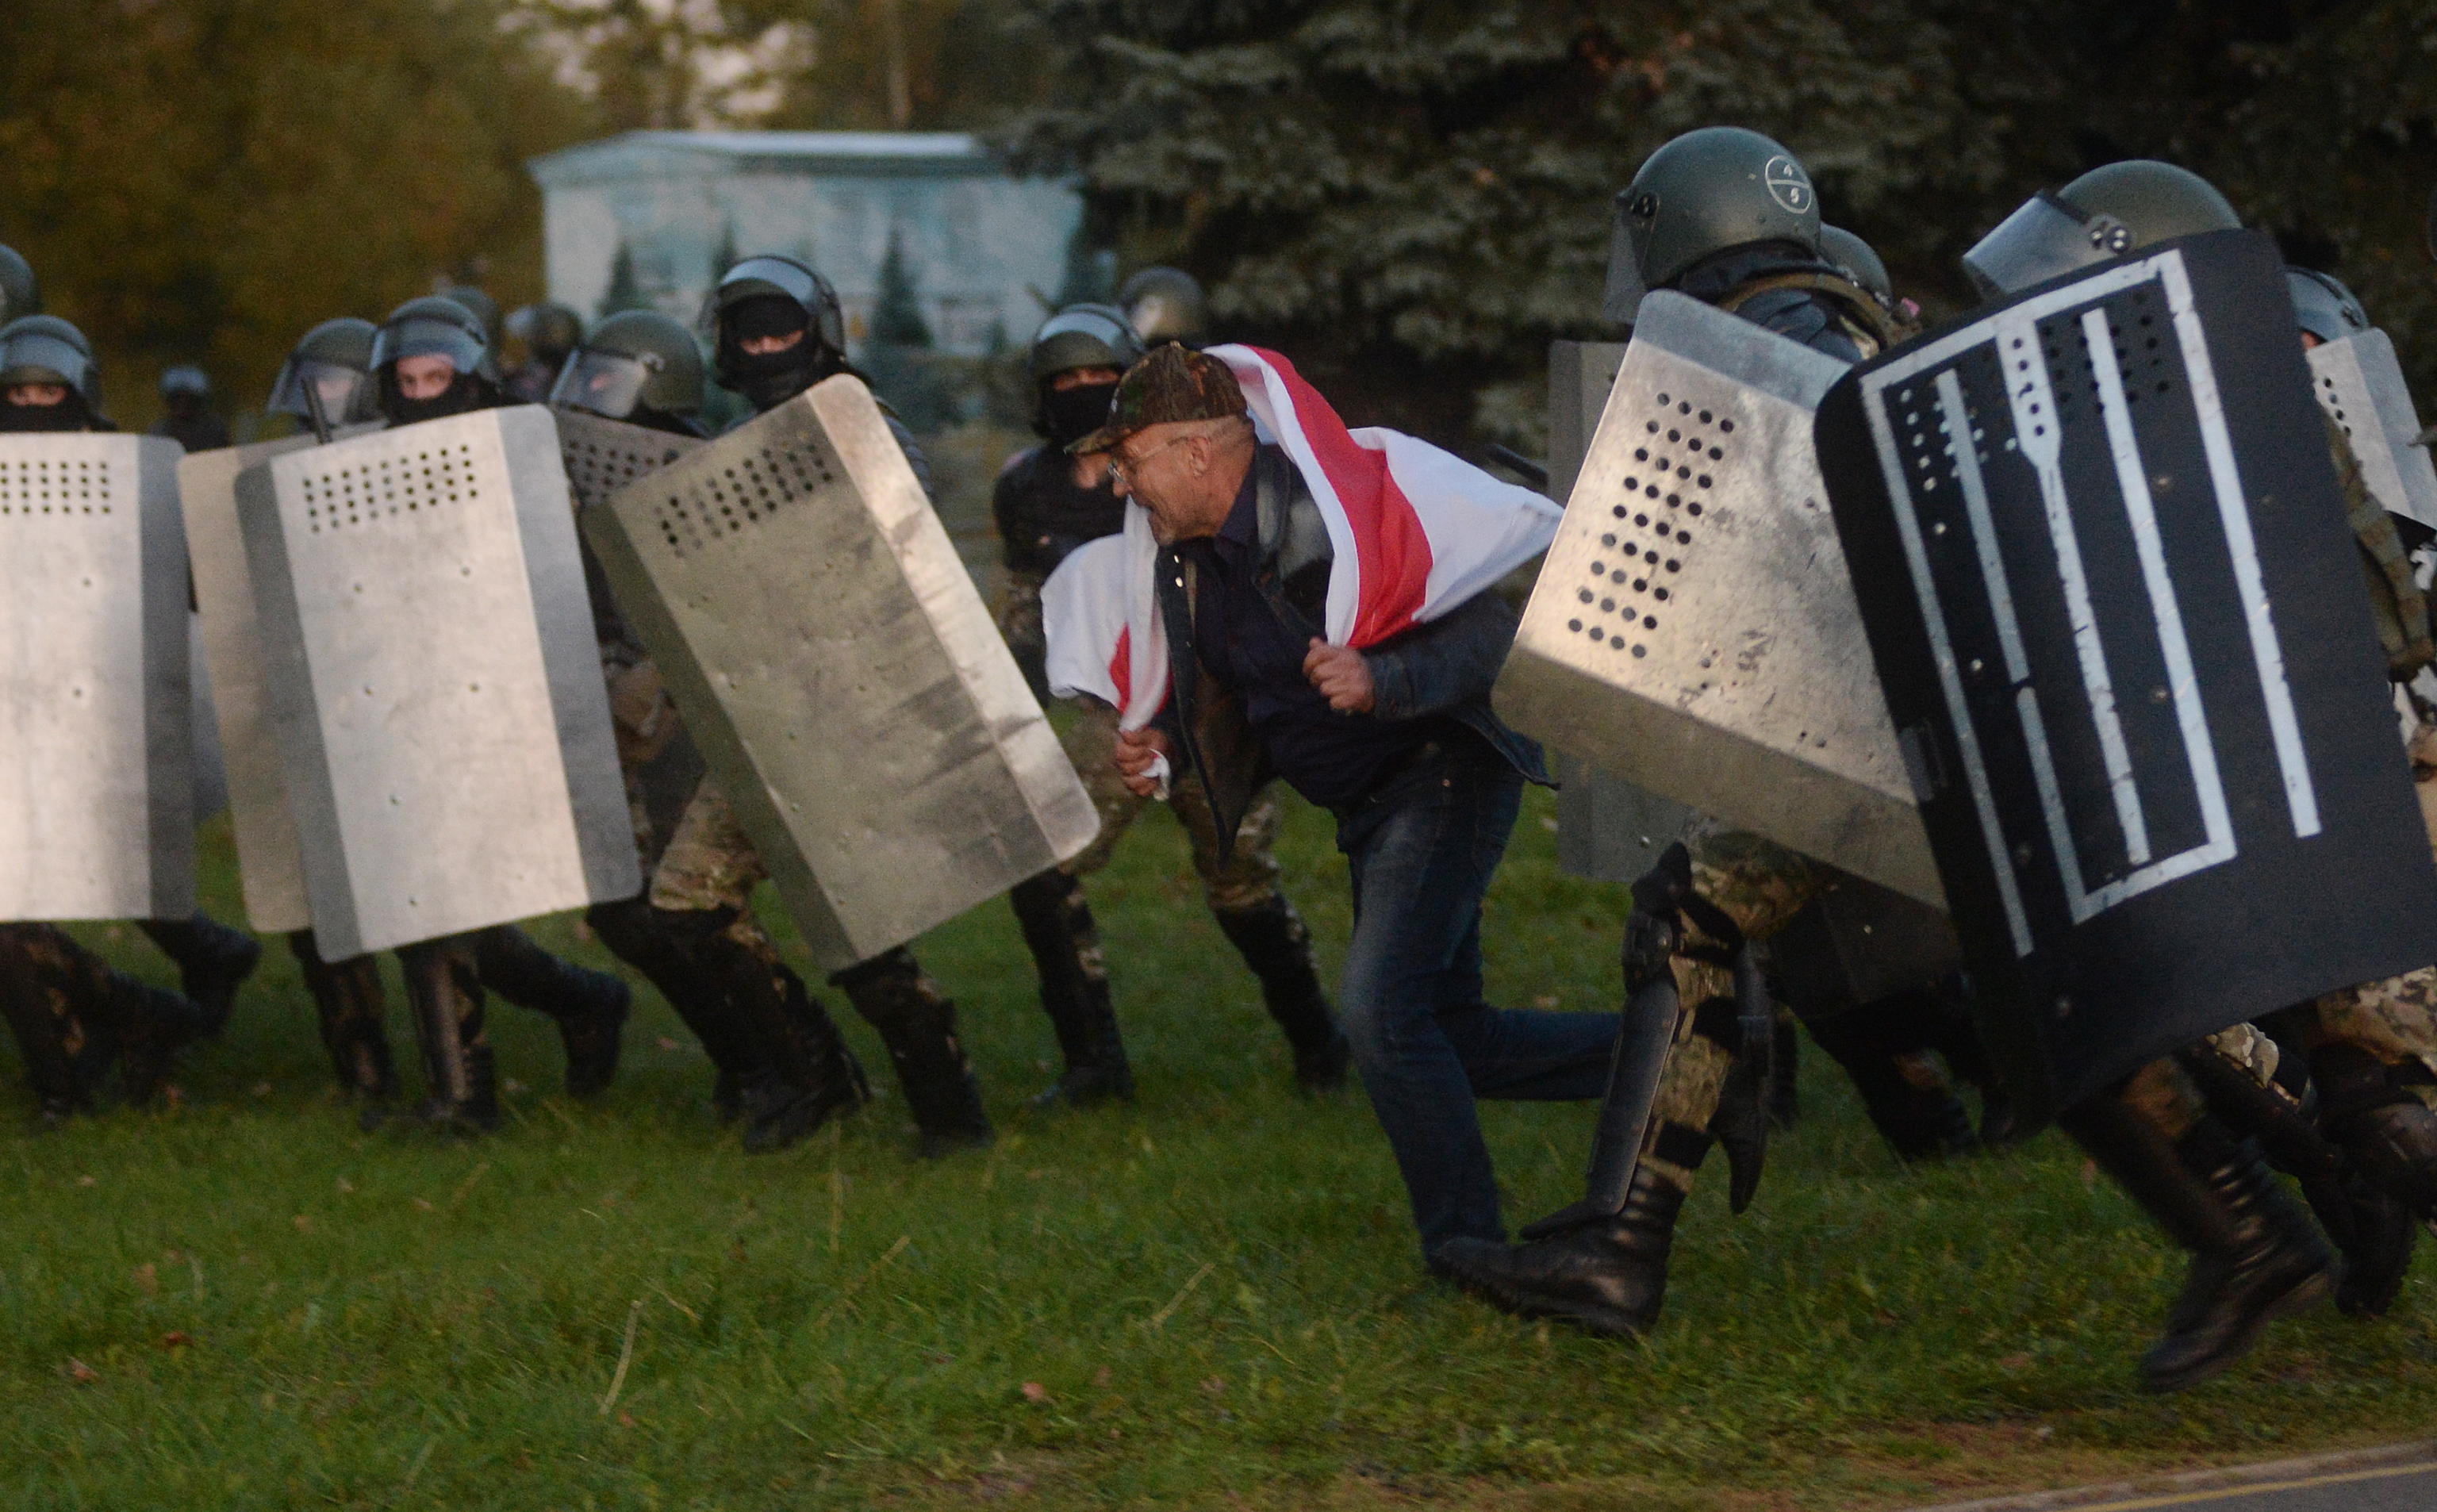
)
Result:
{"points": [[73, 1015]]}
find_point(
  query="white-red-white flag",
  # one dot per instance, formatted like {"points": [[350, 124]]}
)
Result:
{"points": [[1416, 531]]}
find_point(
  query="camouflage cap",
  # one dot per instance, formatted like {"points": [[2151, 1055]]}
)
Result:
{"points": [[1172, 384]]}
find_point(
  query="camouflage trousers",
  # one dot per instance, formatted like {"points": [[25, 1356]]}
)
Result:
{"points": [[1245, 879], [1760, 885], [710, 864], [644, 720]]}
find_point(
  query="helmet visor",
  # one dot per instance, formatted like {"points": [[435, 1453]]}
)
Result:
{"points": [[608, 384], [1625, 286], [2042, 240], [38, 357], [427, 336], [336, 386]]}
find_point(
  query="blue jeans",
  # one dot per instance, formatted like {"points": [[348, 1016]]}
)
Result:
{"points": [[1422, 843]]}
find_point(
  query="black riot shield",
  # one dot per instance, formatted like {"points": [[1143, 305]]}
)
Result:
{"points": [[2122, 630]]}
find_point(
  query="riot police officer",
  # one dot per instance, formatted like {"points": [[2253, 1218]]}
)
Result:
{"points": [[779, 331], [1047, 504], [71, 1011], [326, 379], [551, 332], [1731, 217], [645, 368], [186, 416], [426, 361]]}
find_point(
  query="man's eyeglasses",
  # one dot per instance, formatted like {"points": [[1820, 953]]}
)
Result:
{"points": [[1123, 468]]}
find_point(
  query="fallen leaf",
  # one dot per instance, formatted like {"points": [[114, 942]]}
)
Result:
{"points": [[2015, 1361], [176, 1341], [345, 1186], [147, 1275], [423, 1204], [262, 1089], [1214, 1385], [667, 1043], [304, 1224], [1544, 1000], [624, 1421], [1103, 1375], [1035, 1391], [512, 1086], [2090, 1174], [81, 1373], [86, 1181]]}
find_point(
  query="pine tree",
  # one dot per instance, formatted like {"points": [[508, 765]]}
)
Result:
{"points": [[897, 306], [626, 290]]}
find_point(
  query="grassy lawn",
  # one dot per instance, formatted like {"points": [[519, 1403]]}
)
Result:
{"points": [[1209, 1300]]}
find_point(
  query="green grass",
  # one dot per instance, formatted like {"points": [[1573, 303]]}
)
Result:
{"points": [[1209, 1300]]}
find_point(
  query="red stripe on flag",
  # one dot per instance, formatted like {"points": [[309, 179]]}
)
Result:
{"points": [[1121, 668], [1392, 550]]}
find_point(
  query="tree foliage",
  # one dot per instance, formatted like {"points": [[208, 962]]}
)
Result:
{"points": [[1414, 196], [204, 180]]}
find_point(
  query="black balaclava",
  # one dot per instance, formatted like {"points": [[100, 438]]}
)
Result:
{"points": [[71, 414], [465, 394], [1067, 415], [769, 379]]}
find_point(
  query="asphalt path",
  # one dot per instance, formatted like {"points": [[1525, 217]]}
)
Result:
{"points": [[2402, 1478]]}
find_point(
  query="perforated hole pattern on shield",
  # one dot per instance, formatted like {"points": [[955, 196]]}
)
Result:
{"points": [[597, 468], [2147, 359], [33, 489], [1669, 482], [716, 504], [404, 482]]}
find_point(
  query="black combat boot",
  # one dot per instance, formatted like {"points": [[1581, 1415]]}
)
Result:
{"points": [[2388, 1132], [637, 935], [348, 1000], [1057, 923], [918, 1024], [1605, 1273], [152, 1025], [53, 1040], [1277, 947], [444, 993], [213, 962], [803, 1073], [2255, 1254], [589, 1007], [2373, 1231]]}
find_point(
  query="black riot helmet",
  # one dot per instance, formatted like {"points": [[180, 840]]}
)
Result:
{"points": [[335, 362], [46, 349], [186, 384], [1704, 192], [433, 325], [767, 296], [20, 294], [2323, 306], [1165, 305], [1858, 260], [549, 330], [2100, 215], [638, 362], [1077, 338]]}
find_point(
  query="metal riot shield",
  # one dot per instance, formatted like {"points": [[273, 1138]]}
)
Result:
{"points": [[1693, 629], [434, 688], [1607, 828], [2122, 628], [831, 658], [1855, 944], [604, 456], [2360, 386], [97, 778], [269, 869]]}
